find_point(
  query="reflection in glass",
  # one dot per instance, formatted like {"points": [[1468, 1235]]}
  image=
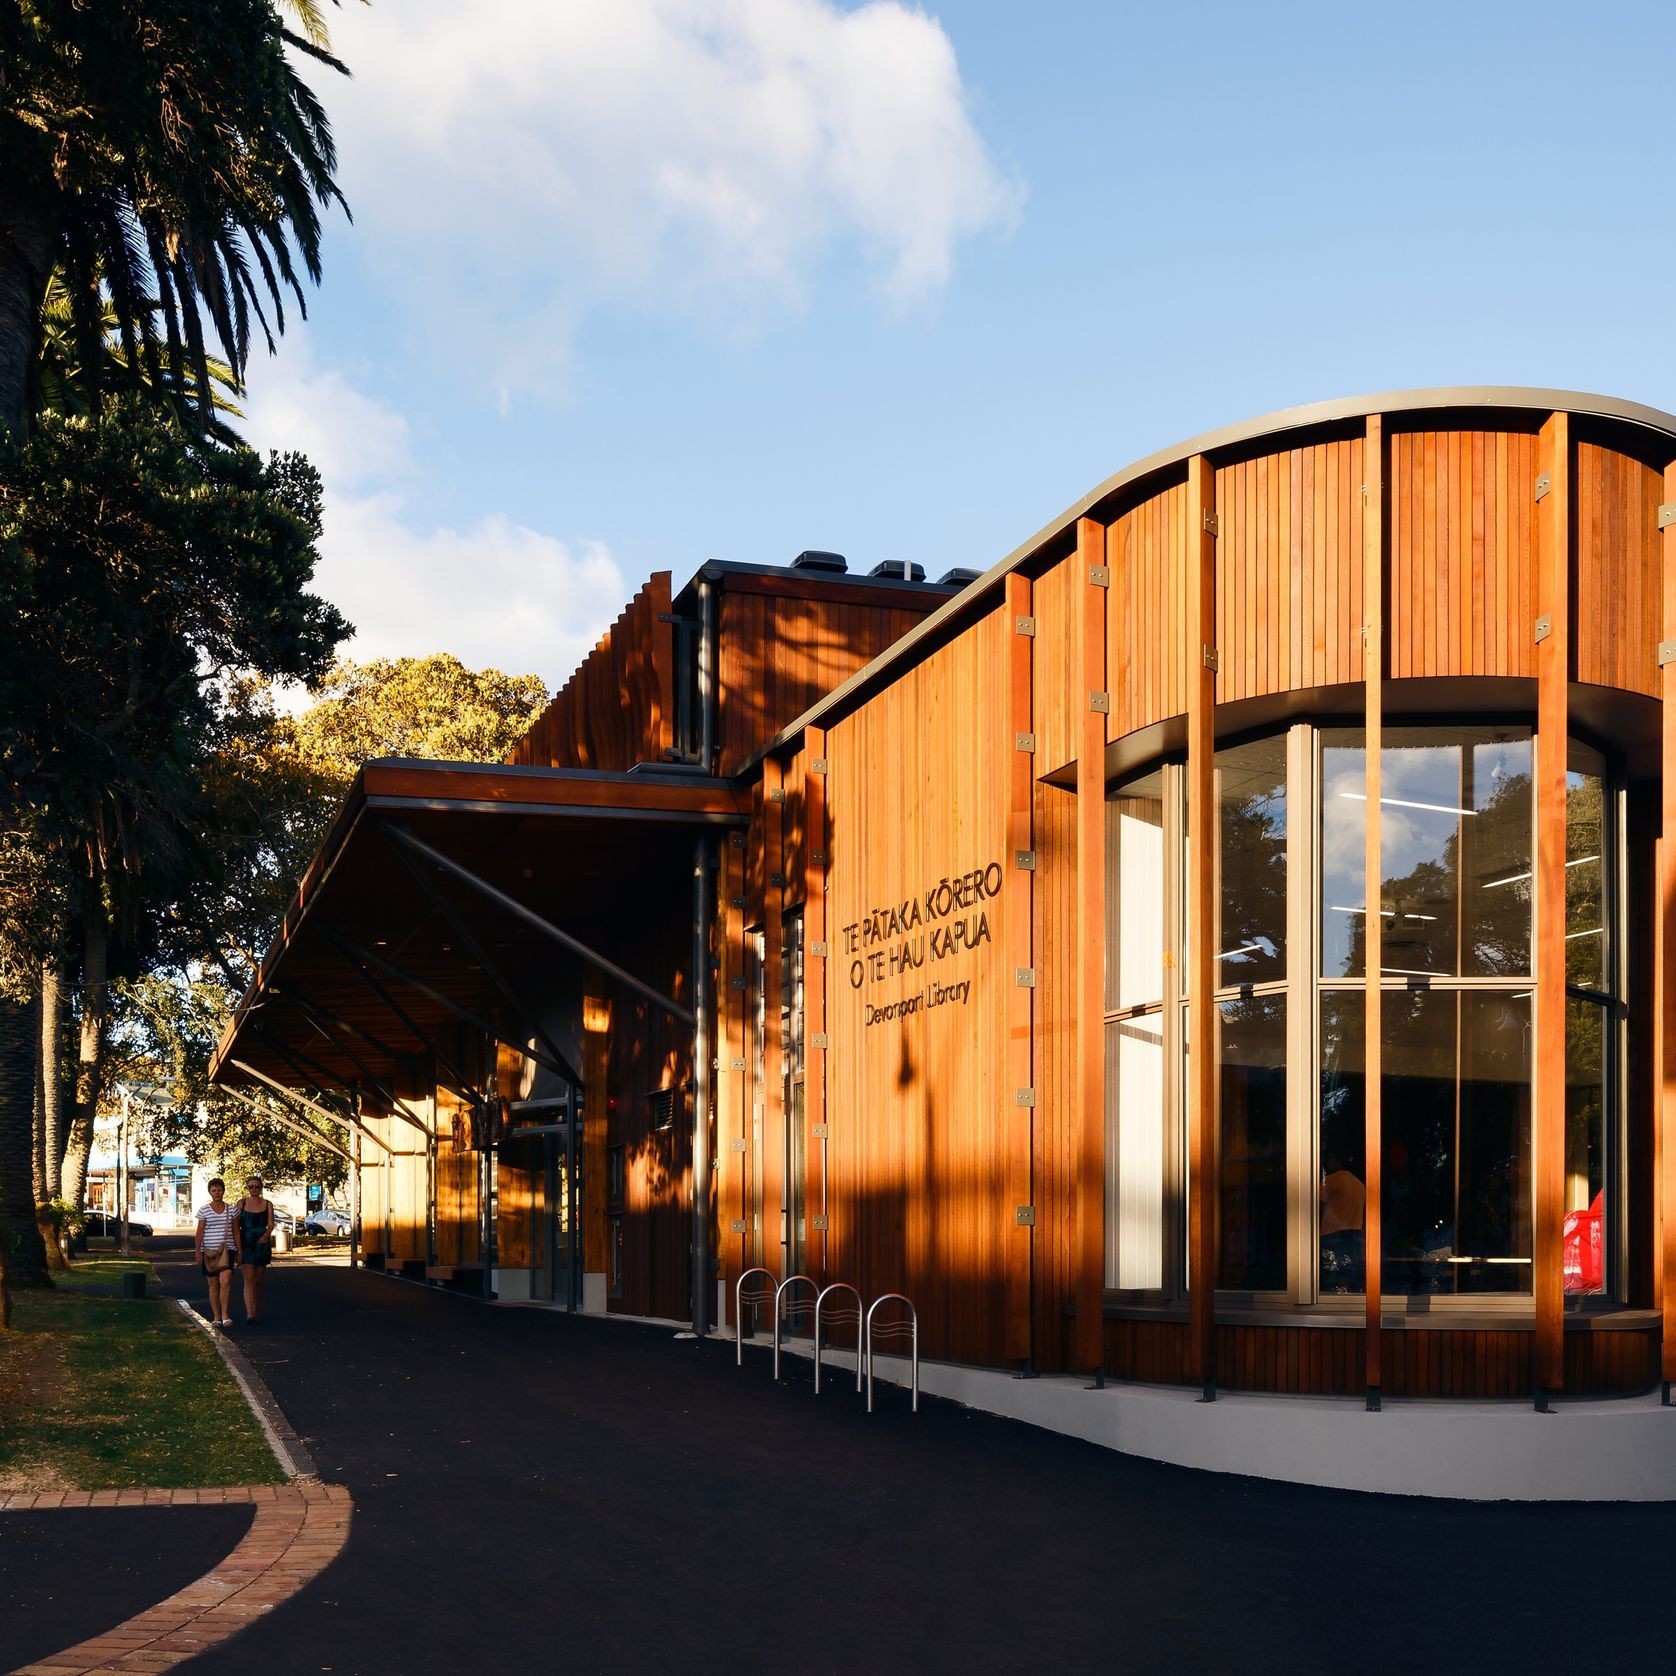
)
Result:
{"points": [[1342, 1193], [1585, 874], [1252, 1144], [1455, 841], [1456, 1179], [1343, 851], [1135, 1131], [1135, 893], [1251, 902], [1584, 1240]]}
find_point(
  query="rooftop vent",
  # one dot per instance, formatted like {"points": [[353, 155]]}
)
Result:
{"points": [[958, 577], [901, 569], [812, 559]]}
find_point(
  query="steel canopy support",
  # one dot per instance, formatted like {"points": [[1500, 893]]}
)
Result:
{"points": [[528, 915], [357, 957], [703, 1057], [288, 1122], [308, 1105], [539, 1055], [396, 1104], [509, 996]]}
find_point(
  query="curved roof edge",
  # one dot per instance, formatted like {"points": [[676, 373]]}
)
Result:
{"points": [[965, 604]]}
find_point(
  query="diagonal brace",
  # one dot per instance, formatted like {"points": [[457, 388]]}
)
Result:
{"points": [[513, 906], [287, 1122], [509, 996]]}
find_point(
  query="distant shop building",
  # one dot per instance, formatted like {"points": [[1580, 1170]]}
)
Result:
{"points": [[1220, 945]]}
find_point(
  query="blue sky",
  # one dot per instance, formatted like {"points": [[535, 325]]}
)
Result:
{"points": [[633, 285]]}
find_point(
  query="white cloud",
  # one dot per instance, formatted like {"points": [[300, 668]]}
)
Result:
{"points": [[495, 593], [678, 153]]}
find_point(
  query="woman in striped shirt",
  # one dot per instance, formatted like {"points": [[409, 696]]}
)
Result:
{"points": [[216, 1249]]}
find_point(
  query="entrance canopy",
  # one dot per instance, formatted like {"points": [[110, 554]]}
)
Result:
{"points": [[441, 888]]}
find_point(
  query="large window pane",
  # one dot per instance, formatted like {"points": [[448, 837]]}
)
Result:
{"points": [[1135, 1140], [1253, 1144], [1341, 1200], [1585, 873], [1456, 1179], [1135, 895], [1455, 844], [1343, 852], [1585, 1147], [1251, 900]]}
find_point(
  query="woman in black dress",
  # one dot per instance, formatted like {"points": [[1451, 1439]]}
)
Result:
{"points": [[256, 1244]]}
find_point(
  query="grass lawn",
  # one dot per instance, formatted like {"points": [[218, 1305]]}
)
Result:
{"points": [[100, 1393]]}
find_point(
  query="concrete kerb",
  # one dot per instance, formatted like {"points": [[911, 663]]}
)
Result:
{"points": [[288, 1449], [1607, 1449]]}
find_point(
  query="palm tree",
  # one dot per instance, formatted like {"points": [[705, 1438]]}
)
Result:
{"points": [[171, 161]]}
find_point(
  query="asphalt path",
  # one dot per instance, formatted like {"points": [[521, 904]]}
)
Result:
{"points": [[71, 1573], [538, 1492]]}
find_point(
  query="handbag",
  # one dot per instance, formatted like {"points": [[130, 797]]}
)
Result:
{"points": [[218, 1262]]}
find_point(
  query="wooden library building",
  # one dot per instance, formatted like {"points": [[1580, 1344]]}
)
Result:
{"points": [[1224, 944]]}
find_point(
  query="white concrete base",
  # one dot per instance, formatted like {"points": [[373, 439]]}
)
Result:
{"points": [[1621, 1449], [512, 1286], [593, 1294]]}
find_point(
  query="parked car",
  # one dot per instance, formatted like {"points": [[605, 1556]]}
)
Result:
{"points": [[327, 1221], [101, 1225], [284, 1219]]}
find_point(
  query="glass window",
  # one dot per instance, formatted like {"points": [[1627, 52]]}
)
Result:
{"points": [[1455, 905], [1135, 1152], [1344, 809], [1586, 951], [1341, 1194], [1456, 1188], [1135, 913], [1251, 864], [1455, 847], [1584, 1243], [1252, 1145]]}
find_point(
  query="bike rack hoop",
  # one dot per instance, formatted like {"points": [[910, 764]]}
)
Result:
{"points": [[739, 1311], [820, 1301], [895, 1327], [779, 1292]]}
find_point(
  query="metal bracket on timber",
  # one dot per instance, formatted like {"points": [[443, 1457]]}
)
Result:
{"points": [[308, 1105], [285, 1121], [517, 909], [503, 988]]}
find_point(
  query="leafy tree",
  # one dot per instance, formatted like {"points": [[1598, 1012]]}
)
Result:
{"points": [[166, 155], [432, 707], [146, 573]]}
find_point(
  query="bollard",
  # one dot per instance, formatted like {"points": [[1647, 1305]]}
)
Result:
{"points": [[133, 1283]]}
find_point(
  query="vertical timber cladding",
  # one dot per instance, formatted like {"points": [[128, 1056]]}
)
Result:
{"points": [[1664, 1131], [921, 1096]]}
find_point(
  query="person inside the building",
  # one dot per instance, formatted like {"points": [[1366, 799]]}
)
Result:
{"points": [[215, 1249], [256, 1244]]}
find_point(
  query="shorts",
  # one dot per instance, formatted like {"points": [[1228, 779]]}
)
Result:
{"points": [[258, 1256]]}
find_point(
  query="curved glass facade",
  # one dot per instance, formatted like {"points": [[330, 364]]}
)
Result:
{"points": [[1455, 902]]}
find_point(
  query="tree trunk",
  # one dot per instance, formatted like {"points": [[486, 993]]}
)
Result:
{"points": [[89, 1060], [38, 1135], [28, 243], [46, 1157], [55, 1130], [23, 1258]]}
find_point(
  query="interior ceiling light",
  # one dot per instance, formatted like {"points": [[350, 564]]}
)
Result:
{"points": [[1593, 931], [1514, 878], [1408, 803]]}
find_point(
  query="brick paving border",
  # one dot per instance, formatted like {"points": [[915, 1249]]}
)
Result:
{"points": [[298, 1530]]}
